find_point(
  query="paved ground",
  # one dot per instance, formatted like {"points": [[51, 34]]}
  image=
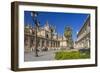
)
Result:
{"points": [[43, 56], [47, 55]]}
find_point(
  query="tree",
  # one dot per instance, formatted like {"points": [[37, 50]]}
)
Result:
{"points": [[68, 36]]}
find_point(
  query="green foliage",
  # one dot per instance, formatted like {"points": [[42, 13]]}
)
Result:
{"points": [[68, 32], [63, 55], [68, 36]]}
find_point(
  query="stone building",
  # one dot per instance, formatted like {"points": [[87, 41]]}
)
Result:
{"points": [[63, 43], [46, 38], [83, 36]]}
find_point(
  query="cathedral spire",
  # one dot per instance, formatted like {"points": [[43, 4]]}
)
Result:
{"points": [[47, 26]]}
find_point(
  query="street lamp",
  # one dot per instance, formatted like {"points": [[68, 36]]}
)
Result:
{"points": [[34, 16]]}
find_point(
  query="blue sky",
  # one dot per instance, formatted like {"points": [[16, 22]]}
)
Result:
{"points": [[59, 20]]}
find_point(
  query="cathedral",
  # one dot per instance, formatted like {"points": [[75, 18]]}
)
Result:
{"points": [[47, 38]]}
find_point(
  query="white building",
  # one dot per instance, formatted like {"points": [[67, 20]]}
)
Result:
{"points": [[83, 36]]}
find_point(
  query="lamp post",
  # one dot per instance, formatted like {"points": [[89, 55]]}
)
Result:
{"points": [[34, 16]]}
